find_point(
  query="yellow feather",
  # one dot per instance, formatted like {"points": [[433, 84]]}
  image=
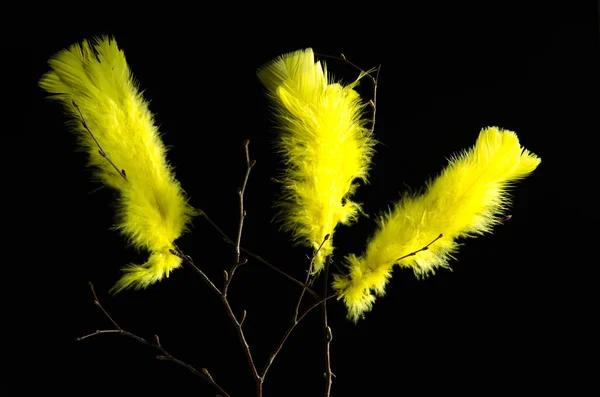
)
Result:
{"points": [[153, 211], [466, 200], [325, 146]]}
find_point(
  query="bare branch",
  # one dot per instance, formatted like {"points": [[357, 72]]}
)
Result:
{"points": [[97, 303], [257, 257], [187, 259], [243, 318], [289, 331], [165, 356], [237, 324], [374, 81], [296, 319], [328, 335], [241, 191], [308, 273], [275, 268]]}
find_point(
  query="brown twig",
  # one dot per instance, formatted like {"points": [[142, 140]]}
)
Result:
{"points": [[374, 81], [238, 262], [297, 319], [257, 257], [188, 259], [328, 336], [289, 331], [275, 268], [228, 276], [259, 378], [101, 151], [237, 323], [308, 274], [165, 356], [425, 248]]}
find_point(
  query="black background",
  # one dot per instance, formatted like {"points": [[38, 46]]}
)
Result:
{"points": [[497, 323]]}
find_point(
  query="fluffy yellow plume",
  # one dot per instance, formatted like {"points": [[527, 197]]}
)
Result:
{"points": [[153, 211], [325, 145], [466, 200]]}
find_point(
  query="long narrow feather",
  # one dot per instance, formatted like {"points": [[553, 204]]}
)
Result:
{"points": [[325, 146], [466, 200], [153, 211]]}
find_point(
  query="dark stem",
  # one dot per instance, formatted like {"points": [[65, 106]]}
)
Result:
{"points": [[296, 319], [257, 257], [273, 267], [166, 356], [422, 249], [101, 151], [308, 274], [374, 81], [237, 324], [289, 331], [189, 261], [328, 336], [238, 262]]}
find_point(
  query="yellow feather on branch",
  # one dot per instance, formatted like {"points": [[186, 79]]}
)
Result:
{"points": [[325, 146], [467, 199], [93, 78]]}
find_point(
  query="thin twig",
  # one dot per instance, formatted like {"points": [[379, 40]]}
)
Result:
{"points": [[296, 319], [374, 81], [422, 249], [310, 269], [238, 262], [101, 151], [275, 268], [374, 103], [259, 379], [328, 336], [166, 356], [289, 331], [257, 257], [237, 323], [188, 259]]}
